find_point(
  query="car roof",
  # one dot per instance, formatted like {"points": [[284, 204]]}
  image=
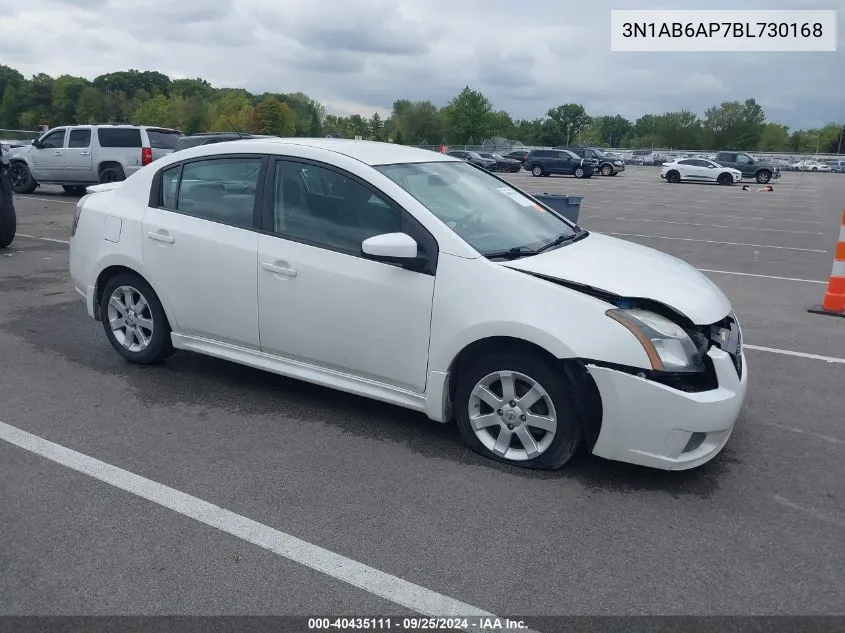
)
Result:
{"points": [[368, 152]]}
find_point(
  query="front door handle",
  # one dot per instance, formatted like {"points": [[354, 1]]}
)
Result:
{"points": [[158, 237], [57, 153], [84, 153], [279, 270]]}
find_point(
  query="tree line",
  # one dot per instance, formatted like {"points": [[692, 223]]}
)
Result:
{"points": [[194, 105]]}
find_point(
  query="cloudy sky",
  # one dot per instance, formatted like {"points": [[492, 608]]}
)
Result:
{"points": [[361, 55]]}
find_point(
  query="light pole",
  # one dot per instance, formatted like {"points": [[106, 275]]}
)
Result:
{"points": [[841, 132]]}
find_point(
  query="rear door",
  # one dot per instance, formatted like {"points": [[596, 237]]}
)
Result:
{"points": [[47, 159], [77, 163]]}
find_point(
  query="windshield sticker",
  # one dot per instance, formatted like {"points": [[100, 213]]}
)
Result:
{"points": [[517, 197]]}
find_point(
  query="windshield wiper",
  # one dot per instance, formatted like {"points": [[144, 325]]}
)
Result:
{"points": [[513, 253], [562, 239]]}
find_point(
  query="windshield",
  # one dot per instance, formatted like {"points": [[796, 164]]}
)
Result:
{"points": [[600, 154], [484, 211], [571, 154]]}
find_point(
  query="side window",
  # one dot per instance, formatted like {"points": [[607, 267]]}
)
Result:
{"points": [[686, 162], [119, 137], [728, 158], [742, 158], [79, 138], [339, 214], [54, 139], [220, 190]]}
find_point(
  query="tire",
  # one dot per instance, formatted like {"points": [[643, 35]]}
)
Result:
{"points": [[674, 177], [113, 173], [725, 179], [607, 170], [156, 344], [579, 172], [556, 445], [537, 170], [8, 219], [74, 190], [21, 177], [763, 176]]}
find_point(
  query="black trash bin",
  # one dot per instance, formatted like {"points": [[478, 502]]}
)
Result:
{"points": [[568, 206]]}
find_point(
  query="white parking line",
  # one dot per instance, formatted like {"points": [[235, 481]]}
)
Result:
{"points": [[46, 200], [715, 226], [357, 574], [812, 512], [46, 239], [795, 429], [719, 216], [689, 239], [730, 272], [786, 352]]}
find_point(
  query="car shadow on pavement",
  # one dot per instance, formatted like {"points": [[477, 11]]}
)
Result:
{"points": [[209, 383]]}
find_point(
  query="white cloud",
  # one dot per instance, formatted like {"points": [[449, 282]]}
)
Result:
{"points": [[361, 55]]}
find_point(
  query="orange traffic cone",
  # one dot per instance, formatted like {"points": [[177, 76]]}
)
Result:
{"points": [[833, 303], [766, 188], [746, 188]]}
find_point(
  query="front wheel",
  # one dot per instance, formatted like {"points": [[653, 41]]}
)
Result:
{"points": [[517, 409], [134, 321], [579, 172], [725, 179], [21, 177], [606, 170], [673, 177], [763, 177]]}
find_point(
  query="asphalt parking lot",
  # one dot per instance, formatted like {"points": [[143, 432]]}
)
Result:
{"points": [[759, 530]]}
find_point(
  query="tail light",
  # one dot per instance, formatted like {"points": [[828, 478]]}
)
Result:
{"points": [[146, 155], [78, 212]]}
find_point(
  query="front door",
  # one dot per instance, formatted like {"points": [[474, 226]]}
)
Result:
{"points": [[320, 301], [77, 162], [47, 158], [200, 247]]}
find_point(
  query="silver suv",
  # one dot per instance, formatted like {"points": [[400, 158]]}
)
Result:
{"points": [[80, 155]]}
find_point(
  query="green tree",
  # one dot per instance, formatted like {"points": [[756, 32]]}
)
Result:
{"points": [[10, 107], [564, 122], [612, 129], [468, 116], [66, 92], [376, 126], [274, 117], [417, 121], [679, 130], [155, 111], [734, 125], [89, 106], [774, 138]]}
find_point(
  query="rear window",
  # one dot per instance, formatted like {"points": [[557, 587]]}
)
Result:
{"points": [[163, 139], [119, 137]]}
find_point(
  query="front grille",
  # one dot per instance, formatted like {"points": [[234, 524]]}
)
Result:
{"points": [[726, 336]]}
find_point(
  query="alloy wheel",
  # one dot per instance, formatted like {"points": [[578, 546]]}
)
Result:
{"points": [[130, 318]]}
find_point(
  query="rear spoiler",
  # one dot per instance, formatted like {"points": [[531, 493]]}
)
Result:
{"points": [[108, 186]]}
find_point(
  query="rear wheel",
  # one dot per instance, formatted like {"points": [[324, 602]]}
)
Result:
{"points": [[134, 321], [537, 170], [673, 176], [21, 177], [518, 409], [112, 173], [725, 179]]}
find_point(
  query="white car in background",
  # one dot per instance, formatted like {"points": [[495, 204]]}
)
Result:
{"points": [[413, 278], [699, 170], [812, 165]]}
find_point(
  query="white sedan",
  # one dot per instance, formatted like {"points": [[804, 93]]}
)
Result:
{"points": [[699, 170], [411, 277]]}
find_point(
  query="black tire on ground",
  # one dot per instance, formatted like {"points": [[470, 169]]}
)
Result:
{"points": [[764, 176], [537, 170], [112, 173], [725, 179], [579, 172], [8, 219], [160, 346], [568, 435], [607, 170], [74, 190], [21, 178], [673, 176]]}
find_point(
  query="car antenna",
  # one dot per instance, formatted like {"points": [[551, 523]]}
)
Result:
{"points": [[234, 128]]}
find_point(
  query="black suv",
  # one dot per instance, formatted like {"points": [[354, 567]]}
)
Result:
{"points": [[608, 165], [544, 162]]}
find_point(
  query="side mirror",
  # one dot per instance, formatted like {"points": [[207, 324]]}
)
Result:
{"points": [[392, 248], [36, 144]]}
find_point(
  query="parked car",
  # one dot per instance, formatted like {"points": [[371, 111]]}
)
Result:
{"points": [[518, 154], [206, 138], [545, 162], [837, 165], [812, 165], [473, 157], [607, 165], [382, 290], [699, 170], [761, 171], [501, 163], [79, 155], [642, 157]]}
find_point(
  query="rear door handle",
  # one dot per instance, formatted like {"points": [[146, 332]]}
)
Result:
{"points": [[158, 237], [279, 270], [84, 153], [57, 153]]}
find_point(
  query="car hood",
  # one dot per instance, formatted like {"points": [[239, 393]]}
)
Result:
{"points": [[630, 270]]}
